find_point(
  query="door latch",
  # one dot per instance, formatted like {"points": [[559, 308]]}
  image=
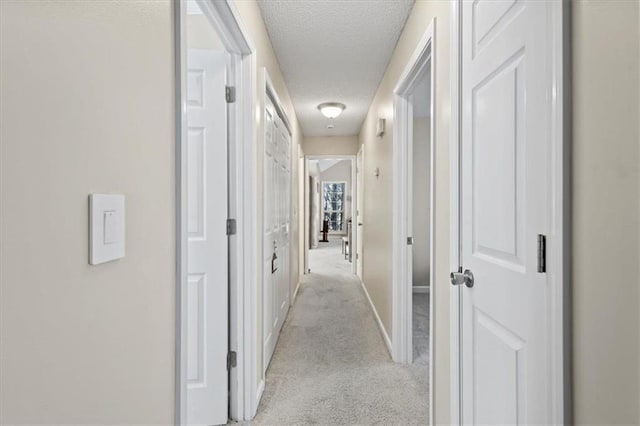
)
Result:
{"points": [[542, 253]]}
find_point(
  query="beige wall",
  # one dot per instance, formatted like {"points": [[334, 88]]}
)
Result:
{"points": [[265, 58], [87, 105], [378, 210], [331, 145], [606, 325]]}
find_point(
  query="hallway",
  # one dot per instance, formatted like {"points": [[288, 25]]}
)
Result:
{"points": [[331, 365]]}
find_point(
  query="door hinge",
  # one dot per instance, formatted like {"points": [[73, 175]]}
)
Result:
{"points": [[542, 253], [409, 241], [230, 94], [232, 359], [232, 227]]}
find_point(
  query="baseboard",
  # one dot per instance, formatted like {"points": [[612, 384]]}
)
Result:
{"points": [[421, 288], [258, 398], [295, 293], [385, 336]]}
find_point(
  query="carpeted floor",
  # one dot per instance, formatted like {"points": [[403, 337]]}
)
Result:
{"points": [[331, 366]]}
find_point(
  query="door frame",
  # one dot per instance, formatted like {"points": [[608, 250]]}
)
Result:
{"points": [[559, 238], [422, 59], [359, 214], [354, 193], [241, 206]]}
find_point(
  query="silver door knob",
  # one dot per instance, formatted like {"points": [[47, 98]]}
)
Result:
{"points": [[466, 278]]}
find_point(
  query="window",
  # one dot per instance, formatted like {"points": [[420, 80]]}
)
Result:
{"points": [[334, 204]]}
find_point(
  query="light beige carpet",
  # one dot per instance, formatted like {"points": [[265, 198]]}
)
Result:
{"points": [[331, 366]]}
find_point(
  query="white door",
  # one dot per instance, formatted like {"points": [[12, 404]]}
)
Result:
{"points": [[277, 225], [505, 204], [206, 304], [359, 210]]}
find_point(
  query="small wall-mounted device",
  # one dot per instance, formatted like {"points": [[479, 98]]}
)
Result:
{"points": [[376, 172], [106, 228], [380, 127]]}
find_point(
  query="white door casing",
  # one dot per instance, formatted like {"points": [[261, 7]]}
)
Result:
{"points": [[277, 225], [207, 251], [508, 346], [359, 222]]}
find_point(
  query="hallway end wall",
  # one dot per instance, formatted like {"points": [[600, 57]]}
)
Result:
{"points": [[331, 145]]}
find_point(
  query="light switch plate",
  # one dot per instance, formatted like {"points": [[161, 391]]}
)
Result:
{"points": [[106, 228]]}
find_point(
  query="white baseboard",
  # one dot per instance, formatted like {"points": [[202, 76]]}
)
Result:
{"points": [[385, 336], [258, 398], [295, 293], [421, 288]]}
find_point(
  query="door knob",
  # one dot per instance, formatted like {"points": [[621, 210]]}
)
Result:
{"points": [[359, 223], [466, 278]]}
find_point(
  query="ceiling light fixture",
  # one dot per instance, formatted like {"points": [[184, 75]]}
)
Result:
{"points": [[331, 109]]}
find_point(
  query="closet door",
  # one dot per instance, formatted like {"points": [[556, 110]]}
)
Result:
{"points": [[277, 225], [270, 235]]}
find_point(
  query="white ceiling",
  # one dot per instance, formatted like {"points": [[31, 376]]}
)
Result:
{"points": [[333, 51]]}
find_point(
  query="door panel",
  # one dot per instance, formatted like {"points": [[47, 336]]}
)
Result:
{"points": [[505, 204], [207, 275]]}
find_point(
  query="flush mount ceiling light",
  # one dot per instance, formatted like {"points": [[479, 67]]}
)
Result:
{"points": [[331, 109]]}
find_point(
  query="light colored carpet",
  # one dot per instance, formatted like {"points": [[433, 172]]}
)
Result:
{"points": [[331, 365]]}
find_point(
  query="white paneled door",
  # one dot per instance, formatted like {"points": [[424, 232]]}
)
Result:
{"points": [[505, 203], [277, 226], [207, 252]]}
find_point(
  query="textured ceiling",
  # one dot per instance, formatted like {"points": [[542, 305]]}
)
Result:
{"points": [[333, 51]]}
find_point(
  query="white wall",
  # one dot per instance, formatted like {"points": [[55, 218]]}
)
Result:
{"points": [[339, 172], [86, 105], [421, 195]]}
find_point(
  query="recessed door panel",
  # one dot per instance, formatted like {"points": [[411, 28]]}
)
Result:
{"points": [[498, 161]]}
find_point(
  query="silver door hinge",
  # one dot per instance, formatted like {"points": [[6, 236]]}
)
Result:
{"points": [[542, 253], [230, 94], [232, 359], [409, 241], [232, 227]]}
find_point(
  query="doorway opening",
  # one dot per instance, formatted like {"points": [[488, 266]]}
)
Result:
{"points": [[215, 212], [331, 199], [413, 213]]}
